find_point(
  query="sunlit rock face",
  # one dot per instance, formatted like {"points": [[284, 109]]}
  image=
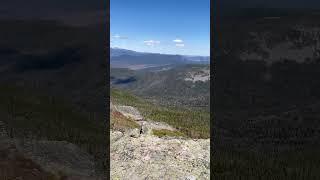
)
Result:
{"points": [[158, 158]]}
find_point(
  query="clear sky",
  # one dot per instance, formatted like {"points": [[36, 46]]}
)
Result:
{"points": [[161, 26]]}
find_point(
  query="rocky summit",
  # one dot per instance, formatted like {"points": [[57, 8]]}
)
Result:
{"points": [[136, 155], [151, 157]]}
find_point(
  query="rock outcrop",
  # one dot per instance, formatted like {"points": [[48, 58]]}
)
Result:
{"points": [[14, 165], [138, 154], [151, 157], [59, 156], [129, 112], [30, 159]]}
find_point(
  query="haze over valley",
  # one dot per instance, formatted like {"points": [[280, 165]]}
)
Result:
{"points": [[173, 80]]}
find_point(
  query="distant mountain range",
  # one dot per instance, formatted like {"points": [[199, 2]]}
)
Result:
{"points": [[114, 52], [139, 60]]}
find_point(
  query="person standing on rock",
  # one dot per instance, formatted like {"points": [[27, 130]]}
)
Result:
{"points": [[143, 128], [141, 131]]}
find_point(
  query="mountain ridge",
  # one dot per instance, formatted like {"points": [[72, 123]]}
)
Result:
{"points": [[135, 57]]}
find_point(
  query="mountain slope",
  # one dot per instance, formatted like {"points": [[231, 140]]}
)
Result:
{"points": [[155, 149], [193, 123], [266, 102], [186, 86], [53, 83]]}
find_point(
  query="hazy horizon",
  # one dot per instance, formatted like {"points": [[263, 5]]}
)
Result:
{"points": [[158, 52]]}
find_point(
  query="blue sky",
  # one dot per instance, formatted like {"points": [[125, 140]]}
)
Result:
{"points": [[161, 26]]}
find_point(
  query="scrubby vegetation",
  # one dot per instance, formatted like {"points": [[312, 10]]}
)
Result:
{"points": [[57, 84], [193, 123], [166, 132], [38, 116], [168, 88], [267, 114], [295, 165], [121, 123]]}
